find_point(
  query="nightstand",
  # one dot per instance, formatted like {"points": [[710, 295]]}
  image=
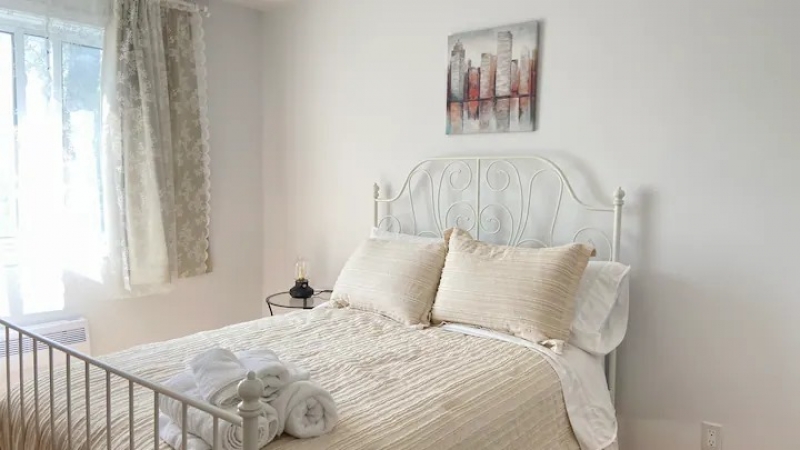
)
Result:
{"points": [[284, 300]]}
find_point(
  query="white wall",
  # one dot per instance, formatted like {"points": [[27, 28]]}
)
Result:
{"points": [[693, 107], [232, 291], [278, 264]]}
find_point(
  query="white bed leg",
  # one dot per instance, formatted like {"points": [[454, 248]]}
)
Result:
{"points": [[250, 391]]}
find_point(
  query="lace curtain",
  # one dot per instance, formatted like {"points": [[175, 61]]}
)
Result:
{"points": [[104, 168], [157, 143]]}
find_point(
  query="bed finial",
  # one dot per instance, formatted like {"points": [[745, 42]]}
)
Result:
{"points": [[376, 191], [250, 391], [250, 388], [619, 196]]}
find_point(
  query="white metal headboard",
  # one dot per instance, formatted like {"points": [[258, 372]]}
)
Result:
{"points": [[494, 199]]}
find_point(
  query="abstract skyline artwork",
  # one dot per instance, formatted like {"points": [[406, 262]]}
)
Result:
{"points": [[491, 79]]}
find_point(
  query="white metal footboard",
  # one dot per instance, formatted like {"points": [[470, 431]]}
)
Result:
{"points": [[249, 409]]}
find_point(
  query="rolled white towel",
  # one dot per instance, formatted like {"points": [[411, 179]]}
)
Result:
{"points": [[172, 435], [305, 410], [217, 373], [201, 424]]}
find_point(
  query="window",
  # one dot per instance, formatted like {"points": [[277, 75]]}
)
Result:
{"points": [[50, 128]]}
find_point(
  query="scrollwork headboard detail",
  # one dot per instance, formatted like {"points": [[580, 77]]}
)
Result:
{"points": [[505, 200], [494, 199]]}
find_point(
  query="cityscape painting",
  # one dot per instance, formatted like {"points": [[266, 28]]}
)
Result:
{"points": [[491, 80]]}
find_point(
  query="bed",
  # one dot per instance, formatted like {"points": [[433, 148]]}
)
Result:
{"points": [[397, 387]]}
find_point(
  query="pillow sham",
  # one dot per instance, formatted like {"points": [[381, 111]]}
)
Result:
{"points": [[526, 292], [394, 278], [601, 308]]}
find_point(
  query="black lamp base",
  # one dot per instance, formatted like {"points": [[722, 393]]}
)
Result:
{"points": [[301, 289]]}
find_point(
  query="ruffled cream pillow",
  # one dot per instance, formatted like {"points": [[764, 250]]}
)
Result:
{"points": [[392, 277], [526, 292]]}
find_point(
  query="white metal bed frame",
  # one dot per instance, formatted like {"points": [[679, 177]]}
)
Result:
{"points": [[472, 177], [487, 169], [249, 390]]}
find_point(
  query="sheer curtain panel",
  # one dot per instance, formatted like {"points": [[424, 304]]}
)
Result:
{"points": [[157, 142]]}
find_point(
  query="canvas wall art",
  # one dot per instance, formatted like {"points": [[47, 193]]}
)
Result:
{"points": [[491, 79]]}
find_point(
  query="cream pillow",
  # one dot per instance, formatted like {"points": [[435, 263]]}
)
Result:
{"points": [[526, 292], [395, 278]]}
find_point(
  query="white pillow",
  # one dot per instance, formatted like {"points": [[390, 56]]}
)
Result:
{"points": [[384, 235], [601, 308]]}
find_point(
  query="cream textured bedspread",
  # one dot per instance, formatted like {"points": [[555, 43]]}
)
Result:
{"points": [[396, 387]]}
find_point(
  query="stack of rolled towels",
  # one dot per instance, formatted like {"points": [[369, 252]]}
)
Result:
{"points": [[292, 403]]}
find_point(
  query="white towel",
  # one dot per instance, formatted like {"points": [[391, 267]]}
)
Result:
{"points": [[273, 385], [201, 424], [274, 373], [305, 410], [217, 373], [172, 435], [264, 362]]}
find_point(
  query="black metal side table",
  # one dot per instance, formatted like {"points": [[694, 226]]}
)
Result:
{"points": [[284, 300]]}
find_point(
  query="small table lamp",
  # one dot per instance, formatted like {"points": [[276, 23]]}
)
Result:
{"points": [[301, 288]]}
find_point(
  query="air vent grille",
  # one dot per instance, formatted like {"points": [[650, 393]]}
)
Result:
{"points": [[67, 337]]}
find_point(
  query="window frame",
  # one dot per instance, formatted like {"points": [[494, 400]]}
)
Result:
{"points": [[18, 29], [6, 245], [57, 32]]}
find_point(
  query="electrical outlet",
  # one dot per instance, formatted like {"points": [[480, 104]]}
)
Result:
{"points": [[711, 437]]}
